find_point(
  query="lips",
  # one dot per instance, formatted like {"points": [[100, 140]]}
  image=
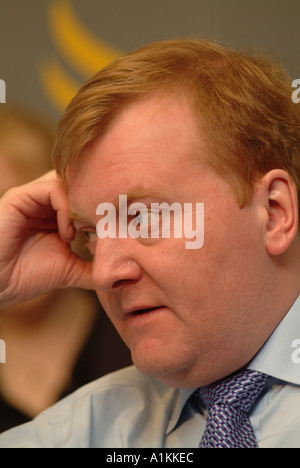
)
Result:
{"points": [[142, 310]]}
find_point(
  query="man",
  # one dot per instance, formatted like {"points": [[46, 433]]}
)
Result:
{"points": [[174, 122]]}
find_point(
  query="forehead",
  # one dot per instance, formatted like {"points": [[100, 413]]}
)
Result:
{"points": [[152, 142]]}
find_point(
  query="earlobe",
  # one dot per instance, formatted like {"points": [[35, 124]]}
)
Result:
{"points": [[282, 208]]}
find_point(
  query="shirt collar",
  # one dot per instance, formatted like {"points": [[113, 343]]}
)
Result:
{"points": [[183, 396], [279, 357]]}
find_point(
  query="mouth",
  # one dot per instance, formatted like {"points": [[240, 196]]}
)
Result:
{"points": [[143, 311]]}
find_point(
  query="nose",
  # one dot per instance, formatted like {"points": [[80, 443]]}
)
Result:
{"points": [[115, 264]]}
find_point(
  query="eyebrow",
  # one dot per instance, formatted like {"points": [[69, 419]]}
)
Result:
{"points": [[138, 193]]}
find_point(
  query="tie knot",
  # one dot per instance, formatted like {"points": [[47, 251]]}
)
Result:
{"points": [[239, 391]]}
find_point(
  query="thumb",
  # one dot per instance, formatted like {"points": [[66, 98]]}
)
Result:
{"points": [[79, 274]]}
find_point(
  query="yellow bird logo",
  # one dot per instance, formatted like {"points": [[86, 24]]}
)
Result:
{"points": [[83, 51]]}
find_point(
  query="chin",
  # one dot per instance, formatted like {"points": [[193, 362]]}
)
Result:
{"points": [[167, 371]]}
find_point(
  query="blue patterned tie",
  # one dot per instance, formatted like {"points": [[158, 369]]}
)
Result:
{"points": [[228, 402]]}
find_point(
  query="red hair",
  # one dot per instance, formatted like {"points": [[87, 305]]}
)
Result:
{"points": [[242, 102]]}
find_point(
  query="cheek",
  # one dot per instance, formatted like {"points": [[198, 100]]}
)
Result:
{"points": [[225, 266]]}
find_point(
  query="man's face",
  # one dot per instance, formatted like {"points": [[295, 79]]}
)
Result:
{"points": [[206, 306]]}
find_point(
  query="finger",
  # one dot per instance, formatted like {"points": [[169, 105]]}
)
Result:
{"points": [[49, 176], [60, 202], [40, 199], [79, 274]]}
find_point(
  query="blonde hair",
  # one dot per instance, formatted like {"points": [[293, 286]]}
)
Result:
{"points": [[242, 103]]}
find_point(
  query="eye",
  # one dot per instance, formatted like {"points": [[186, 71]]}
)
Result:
{"points": [[90, 236], [146, 219], [154, 218], [146, 222]]}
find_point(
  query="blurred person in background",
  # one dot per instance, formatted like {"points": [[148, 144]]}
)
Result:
{"points": [[53, 342]]}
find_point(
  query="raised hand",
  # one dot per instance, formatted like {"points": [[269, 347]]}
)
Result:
{"points": [[35, 233]]}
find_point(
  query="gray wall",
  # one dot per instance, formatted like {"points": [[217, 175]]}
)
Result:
{"points": [[26, 38]]}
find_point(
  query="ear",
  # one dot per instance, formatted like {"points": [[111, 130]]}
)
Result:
{"points": [[281, 203]]}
